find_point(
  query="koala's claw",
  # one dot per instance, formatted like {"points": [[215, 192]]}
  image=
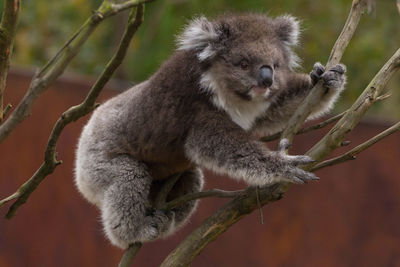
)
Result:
{"points": [[288, 170], [299, 176], [297, 180], [316, 73]]}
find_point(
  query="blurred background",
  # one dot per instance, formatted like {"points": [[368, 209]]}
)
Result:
{"points": [[349, 218]]}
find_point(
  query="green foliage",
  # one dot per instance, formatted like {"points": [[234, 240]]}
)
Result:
{"points": [[46, 25]]}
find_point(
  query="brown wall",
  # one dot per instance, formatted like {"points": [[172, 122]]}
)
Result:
{"points": [[349, 218]]}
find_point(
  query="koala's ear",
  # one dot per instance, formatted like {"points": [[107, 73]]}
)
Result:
{"points": [[202, 36], [288, 29]]}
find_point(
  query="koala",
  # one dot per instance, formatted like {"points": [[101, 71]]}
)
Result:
{"points": [[230, 80]]}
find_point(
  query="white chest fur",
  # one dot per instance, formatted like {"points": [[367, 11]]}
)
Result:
{"points": [[243, 113]]}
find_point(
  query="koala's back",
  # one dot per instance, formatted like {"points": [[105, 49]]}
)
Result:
{"points": [[148, 123]]}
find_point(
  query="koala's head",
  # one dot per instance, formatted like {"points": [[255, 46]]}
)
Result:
{"points": [[246, 56]]}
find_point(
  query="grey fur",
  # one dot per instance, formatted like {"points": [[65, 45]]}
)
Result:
{"points": [[202, 108]]}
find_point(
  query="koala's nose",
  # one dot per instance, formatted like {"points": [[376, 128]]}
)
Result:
{"points": [[265, 76]]}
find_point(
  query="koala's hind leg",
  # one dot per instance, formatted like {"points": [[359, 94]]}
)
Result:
{"points": [[126, 211], [189, 182]]}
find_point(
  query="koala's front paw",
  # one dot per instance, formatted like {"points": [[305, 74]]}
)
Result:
{"points": [[335, 77], [289, 170]]}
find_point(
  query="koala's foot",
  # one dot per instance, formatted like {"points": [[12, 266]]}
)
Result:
{"points": [[287, 170], [155, 225], [127, 214], [124, 227]]}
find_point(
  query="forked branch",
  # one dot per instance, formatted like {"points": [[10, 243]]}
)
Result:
{"points": [[350, 155]]}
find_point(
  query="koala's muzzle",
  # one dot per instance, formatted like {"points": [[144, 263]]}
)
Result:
{"points": [[265, 76]]}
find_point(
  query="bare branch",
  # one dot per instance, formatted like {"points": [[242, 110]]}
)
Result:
{"points": [[305, 129], [8, 27], [74, 113], [350, 155], [130, 254], [304, 110], [209, 193], [318, 125], [334, 138], [56, 66], [162, 195]]}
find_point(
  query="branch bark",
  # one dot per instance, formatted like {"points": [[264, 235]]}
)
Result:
{"points": [[56, 66], [73, 114], [8, 26], [305, 129]]}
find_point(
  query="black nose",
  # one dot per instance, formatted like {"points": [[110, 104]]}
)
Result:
{"points": [[265, 76]]}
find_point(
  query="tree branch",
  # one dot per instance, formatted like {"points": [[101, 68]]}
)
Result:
{"points": [[56, 66], [130, 254], [335, 136], [73, 114], [165, 190], [305, 129], [314, 97], [209, 193], [8, 26], [219, 222], [350, 155]]}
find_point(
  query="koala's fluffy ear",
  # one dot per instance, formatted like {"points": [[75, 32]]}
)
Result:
{"points": [[202, 36], [288, 29]]}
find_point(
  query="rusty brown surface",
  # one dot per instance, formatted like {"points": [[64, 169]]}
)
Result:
{"points": [[349, 218]]}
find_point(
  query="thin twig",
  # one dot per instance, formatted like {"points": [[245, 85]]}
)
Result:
{"points": [[74, 113], [56, 66], [209, 193], [5, 112], [350, 155], [130, 254], [259, 205], [165, 190], [305, 129]]}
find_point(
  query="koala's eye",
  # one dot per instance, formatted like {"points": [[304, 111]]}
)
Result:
{"points": [[276, 65], [244, 64]]}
